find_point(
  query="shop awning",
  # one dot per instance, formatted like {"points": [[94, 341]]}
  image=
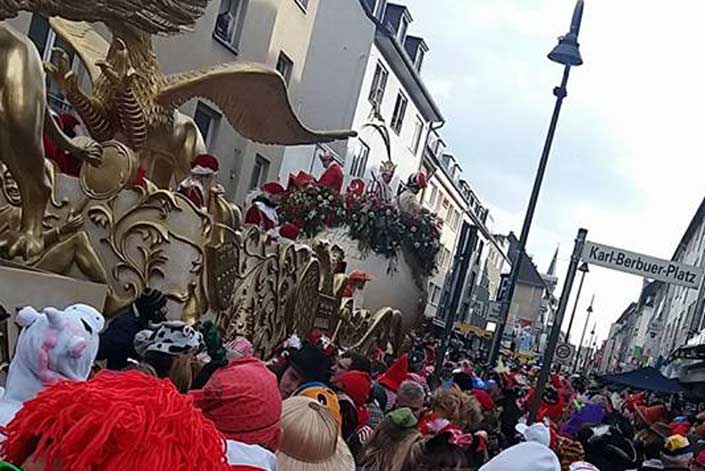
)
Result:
{"points": [[647, 379], [690, 352]]}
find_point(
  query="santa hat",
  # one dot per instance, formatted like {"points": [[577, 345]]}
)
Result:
{"points": [[273, 188], [290, 231], [396, 374], [205, 164]]}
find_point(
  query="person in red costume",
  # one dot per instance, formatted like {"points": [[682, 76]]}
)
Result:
{"points": [[263, 211], [196, 186], [67, 163], [333, 175]]}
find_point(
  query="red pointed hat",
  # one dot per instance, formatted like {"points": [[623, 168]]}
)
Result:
{"points": [[396, 374], [651, 415], [273, 188], [205, 164]]}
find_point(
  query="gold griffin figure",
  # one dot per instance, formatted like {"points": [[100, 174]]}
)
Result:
{"points": [[133, 101]]}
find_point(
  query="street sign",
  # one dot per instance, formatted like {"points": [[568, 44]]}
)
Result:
{"points": [[642, 265], [564, 353]]}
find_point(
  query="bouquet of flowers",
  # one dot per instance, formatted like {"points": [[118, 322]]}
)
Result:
{"points": [[312, 209], [421, 237]]}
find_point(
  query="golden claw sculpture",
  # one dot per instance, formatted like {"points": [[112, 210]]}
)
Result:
{"points": [[24, 117], [135, 102]]}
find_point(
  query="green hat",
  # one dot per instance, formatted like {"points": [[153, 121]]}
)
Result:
{"points": [[404, 421], [8, 467]]}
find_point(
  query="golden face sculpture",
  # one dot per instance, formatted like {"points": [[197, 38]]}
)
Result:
{"points": [[10, 188]]}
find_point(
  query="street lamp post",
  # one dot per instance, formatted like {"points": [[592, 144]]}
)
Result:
{"points": [[585, 270], [582, 338], [567, 53]]}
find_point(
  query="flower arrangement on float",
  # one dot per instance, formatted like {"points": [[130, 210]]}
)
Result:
{"points": [[378, 226]]}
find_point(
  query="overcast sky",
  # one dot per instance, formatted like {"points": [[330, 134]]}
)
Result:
{"points": [[627, 162]]}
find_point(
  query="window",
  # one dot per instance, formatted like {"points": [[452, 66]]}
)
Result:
{"points": [[420, 55], [399, 112], [285, 66], [230, 21], [403, 28], [446, 203], [432, 195], [378, 10], [45, 41], [446, 258], [435, 292], [259, 172], [359, 162], [453, 218], [208, 122], [416, 139], [379, 84]]}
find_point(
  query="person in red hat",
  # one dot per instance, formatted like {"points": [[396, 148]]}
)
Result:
{"points": [[242, 400], [646, 416], [392, 379], [408, 199], [196, 186], [113, 422], [67, 163], [333, 175], [263, 210]]}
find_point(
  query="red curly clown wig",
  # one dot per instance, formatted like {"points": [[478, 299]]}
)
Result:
{"points": [[114, 422]]}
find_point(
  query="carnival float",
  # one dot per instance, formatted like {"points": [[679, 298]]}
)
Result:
{"points": [[143, 207]]}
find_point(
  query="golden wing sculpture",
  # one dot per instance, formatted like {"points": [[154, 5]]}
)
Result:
{"points": [[149, 16], [253, 98], [90, 46]]}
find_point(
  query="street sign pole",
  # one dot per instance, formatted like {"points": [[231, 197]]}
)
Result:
{"points": [[556, 329]]}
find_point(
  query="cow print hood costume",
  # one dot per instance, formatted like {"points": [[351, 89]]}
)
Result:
{"points": [[170, 338]]}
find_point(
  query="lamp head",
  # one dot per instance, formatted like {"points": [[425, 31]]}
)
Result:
{"points": [[567, 52]]}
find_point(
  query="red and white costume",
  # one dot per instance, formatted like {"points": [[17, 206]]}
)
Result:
{"points": [[192, 187], [263, 212]]}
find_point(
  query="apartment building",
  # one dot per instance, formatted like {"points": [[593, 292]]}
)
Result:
{"points": [[362, 52], [452, 198]]}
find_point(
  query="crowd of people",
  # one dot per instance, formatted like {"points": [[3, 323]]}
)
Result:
{"points": [[145, 393]]}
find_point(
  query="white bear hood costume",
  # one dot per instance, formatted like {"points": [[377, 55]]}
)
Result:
{"points": [[52, 346]]}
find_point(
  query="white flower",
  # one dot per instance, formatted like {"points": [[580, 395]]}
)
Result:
{"points": [[417, 245]]}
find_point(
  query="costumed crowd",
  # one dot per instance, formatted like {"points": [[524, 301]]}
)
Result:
{"points": [[149, 394], [145, 393]]}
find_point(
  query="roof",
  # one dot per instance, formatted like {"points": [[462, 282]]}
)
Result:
{"points": [[647, 379], [627, 312], [397, 57], [690, 231], [528, 273]]}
